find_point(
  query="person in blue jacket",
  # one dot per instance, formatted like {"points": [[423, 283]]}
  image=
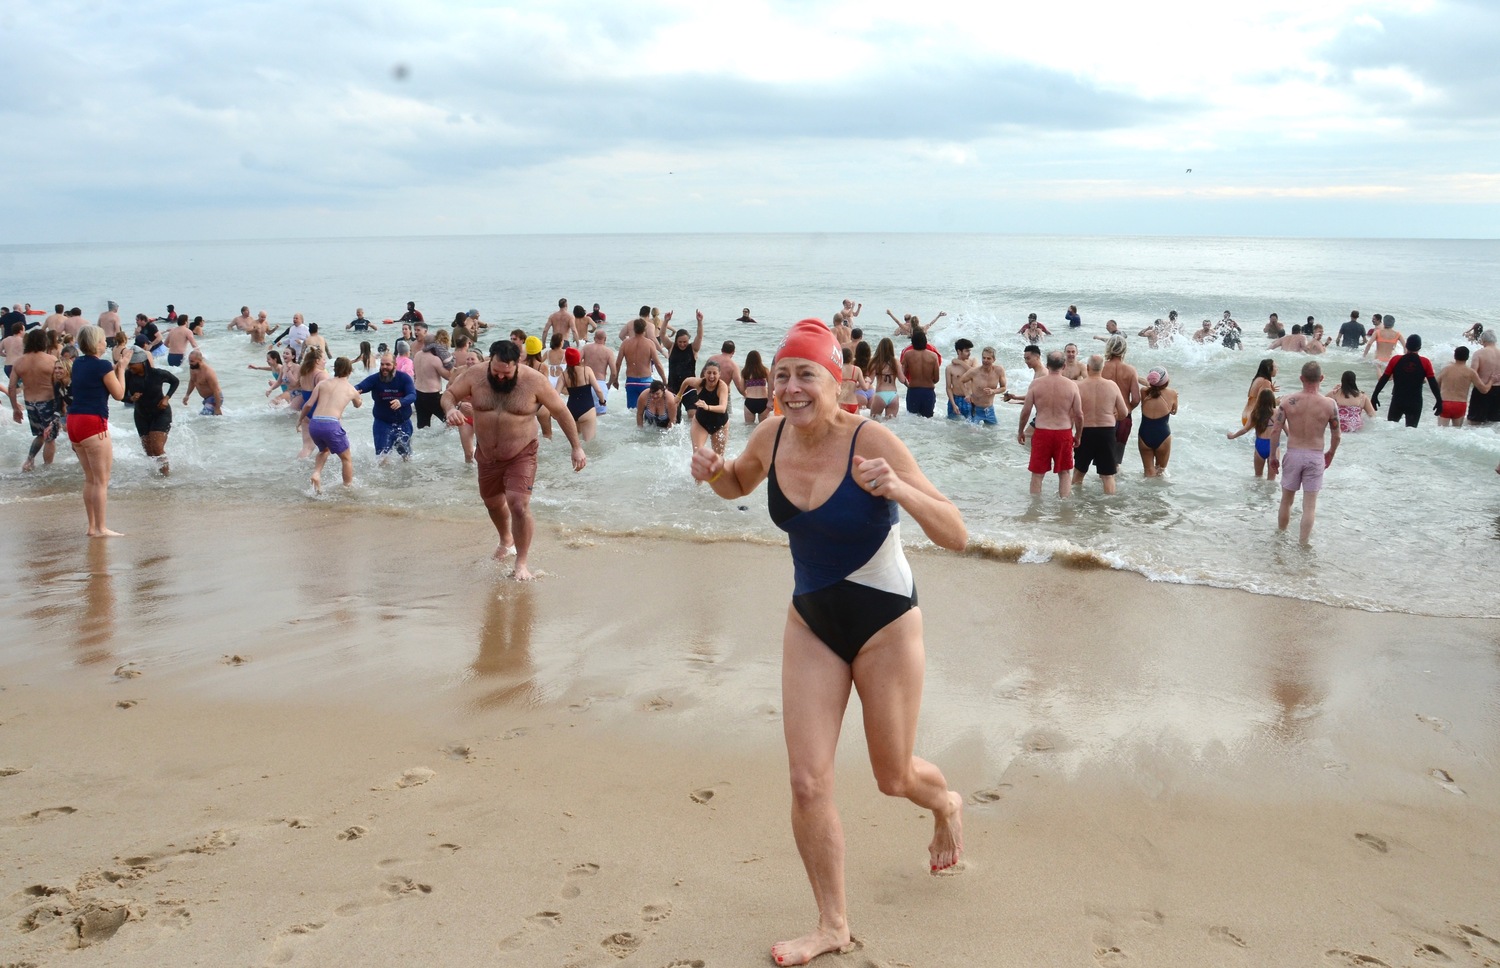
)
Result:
{"points": [[393, 394]]}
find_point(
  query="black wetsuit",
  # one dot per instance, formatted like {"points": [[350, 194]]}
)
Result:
{"points": [[1406, 373]]}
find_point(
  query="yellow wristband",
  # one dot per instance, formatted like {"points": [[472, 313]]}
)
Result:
{"points": [[718, 475]]}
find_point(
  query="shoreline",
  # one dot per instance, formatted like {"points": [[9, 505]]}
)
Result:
{"points": [[590, 767]]}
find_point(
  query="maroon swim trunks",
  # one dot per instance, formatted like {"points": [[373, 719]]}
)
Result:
{"points": [[509, 475]]}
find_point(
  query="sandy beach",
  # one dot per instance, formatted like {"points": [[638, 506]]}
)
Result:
{"points": [[314, 735]]}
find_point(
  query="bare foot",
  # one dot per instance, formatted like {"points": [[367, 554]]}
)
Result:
{"points": [[317, 482], [947, 835], [504, 551], [105, 533], [31, 464], [800, 951], [522, 573]]}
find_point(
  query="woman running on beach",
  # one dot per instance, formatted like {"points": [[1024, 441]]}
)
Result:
{"points": [[836, 483], [1265, 379], [1158, 404], [710, 411], [1354, 405], [885, 373], [1260, 422], [153, 408], [755, 375], [310, 373], [95, 380]]}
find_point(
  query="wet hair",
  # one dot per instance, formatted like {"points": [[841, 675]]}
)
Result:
{"points": [[710, 365], [918, 339], [309, 362], [313, 327], [1265, 408], [1296, 329], [505, 351], [1264, 371], [962, 344], [556, 342], [1461, 354], [579, 312], [460, 319], [754, 369], [342, 366], [1348, 385], [364, 353], [274, 355], [657, 386], [34, 342]]}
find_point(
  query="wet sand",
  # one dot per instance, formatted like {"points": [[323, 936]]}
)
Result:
{"points": [[319, 735]]}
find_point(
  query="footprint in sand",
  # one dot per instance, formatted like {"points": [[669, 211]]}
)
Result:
{"points": [[414, 777], [656, 913], [1445, 780], [392, 889], [547, 919], [657, 705], [353, 833], [1339, 956], [989, 794], [234, 660], [621, 944], [1432, 953], [1434, 722], [1471, 936], [516, 733], [686, 963], [98, 920], [571, 890], [1223, 935], [705, 794], [127, 671], [286, 946], [10, 770], [45, 814], [1110, 957], [462, 752], [298, 823], [1373, 842], [127, 703]]}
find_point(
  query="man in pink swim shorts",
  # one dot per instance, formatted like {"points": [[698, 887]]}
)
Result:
{"points": [[1304, 416]]}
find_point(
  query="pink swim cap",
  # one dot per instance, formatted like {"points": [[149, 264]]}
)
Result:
{"points": [[811, 339]]}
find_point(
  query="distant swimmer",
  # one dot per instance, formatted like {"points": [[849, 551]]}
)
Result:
{"points": [[242, 322], [1273, 327], [1111, 330], [392, 395], [324, 412], [1385, 341], [1456, 381], [1154, 333], [32, 387], [1352, 333], [1059, 423], [1305, 416], [261, 328], [1293, 342], [149, 390], [1261, 414], [911, 322], [852, 309], [1204, 333], [1484, 408], [202, 378], [506, 396], [1033, 331], [1353, 403], [837, 484], [1407, 372], [1073, 319], [1158, 407], [1103, 407], [745, 316], [1473, 333], [412, 314]]}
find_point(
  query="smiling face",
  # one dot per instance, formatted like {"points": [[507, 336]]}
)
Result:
{"points": [[805, 390]]}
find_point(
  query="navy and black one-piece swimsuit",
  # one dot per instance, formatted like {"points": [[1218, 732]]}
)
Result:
{"points": [[851, 576]]}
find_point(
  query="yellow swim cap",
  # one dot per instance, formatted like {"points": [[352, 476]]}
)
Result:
{"points": [[533, 346]]}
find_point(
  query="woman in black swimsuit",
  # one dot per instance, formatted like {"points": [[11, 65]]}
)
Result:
{"points": [[837, 484], [583, 392], [711, 411]]}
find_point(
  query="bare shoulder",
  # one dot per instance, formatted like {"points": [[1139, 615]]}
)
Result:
{"points": [[877, 440]]}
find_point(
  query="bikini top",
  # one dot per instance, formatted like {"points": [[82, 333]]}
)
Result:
{"points": [[838, 537]]}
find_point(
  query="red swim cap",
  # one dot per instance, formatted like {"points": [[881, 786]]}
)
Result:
{"points": [[572, 357], [811, 339]]}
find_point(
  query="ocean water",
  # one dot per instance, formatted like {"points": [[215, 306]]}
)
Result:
{"points": [[1409, 520]]}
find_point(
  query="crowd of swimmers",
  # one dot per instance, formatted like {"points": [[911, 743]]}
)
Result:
{"points": [[1078, 411]]}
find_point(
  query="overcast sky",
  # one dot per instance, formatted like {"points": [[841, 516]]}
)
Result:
{"points": [[296, 118]]}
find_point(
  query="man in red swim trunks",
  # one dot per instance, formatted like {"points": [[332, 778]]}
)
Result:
{"points": [[1455, 381], [506, 396], [1059, 422]]}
